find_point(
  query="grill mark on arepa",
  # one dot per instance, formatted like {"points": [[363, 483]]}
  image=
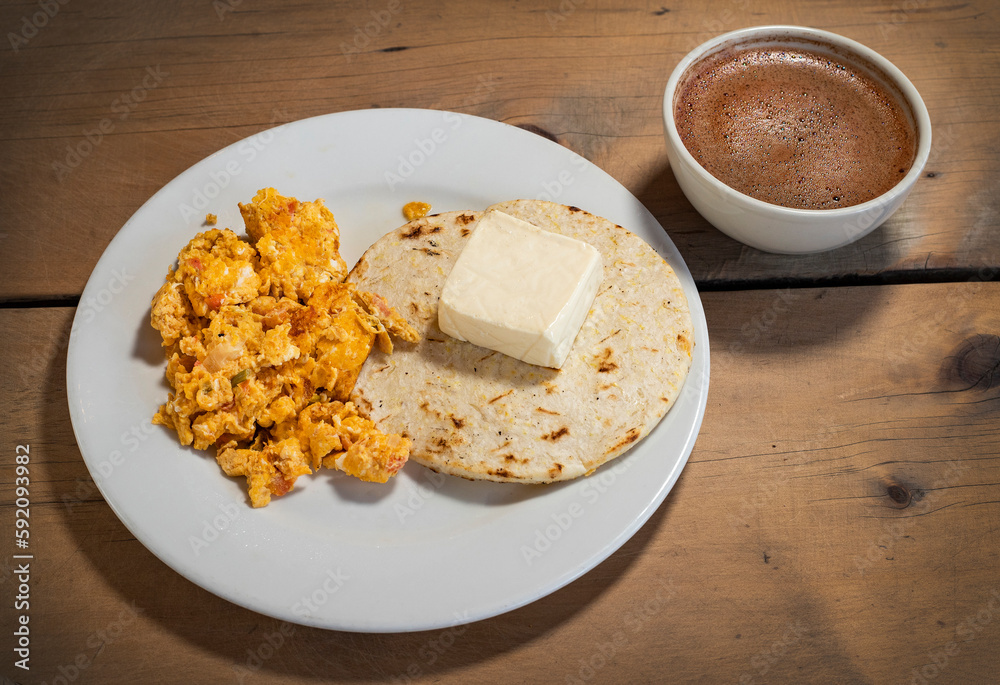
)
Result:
{"points": [[556, 434], [610, 335], [420, 229], [442, 444], [500, 397], [604, 363], [543, 410], [456, 421], [465, 219], [631, 436]]}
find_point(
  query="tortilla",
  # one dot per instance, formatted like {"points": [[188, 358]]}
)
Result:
{"points": [[479, 414]]}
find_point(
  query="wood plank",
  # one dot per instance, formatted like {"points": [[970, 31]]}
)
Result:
{"points": [[107, 102], [836, 523]]}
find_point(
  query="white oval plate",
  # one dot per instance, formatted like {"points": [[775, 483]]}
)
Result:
{"points": [[423, 551]]}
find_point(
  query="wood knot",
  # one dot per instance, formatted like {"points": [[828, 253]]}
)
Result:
{"points": [[899, 495], [976, 362]]}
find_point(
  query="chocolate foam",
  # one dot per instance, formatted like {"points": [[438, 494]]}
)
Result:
{"points": [[794, 127]]}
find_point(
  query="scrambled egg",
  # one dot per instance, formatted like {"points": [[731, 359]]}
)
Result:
{"points": [[415, 210], [298, 243], [264, 343]]}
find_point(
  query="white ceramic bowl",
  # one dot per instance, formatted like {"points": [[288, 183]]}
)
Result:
{"points": [[772, 227]]}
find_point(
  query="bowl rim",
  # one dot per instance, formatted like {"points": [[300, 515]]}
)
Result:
{"points": [[919, 110]]}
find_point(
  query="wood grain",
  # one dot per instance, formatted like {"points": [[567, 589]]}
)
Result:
{"points": [[837, 522], [106, 102]]}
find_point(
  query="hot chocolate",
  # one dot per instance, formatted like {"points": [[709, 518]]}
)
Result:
{"points": [[794, 127]]}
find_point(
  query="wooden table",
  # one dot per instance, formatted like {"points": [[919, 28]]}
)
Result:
{"points": [[838, 519]]}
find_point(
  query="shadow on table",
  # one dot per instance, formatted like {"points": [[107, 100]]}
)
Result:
{"points": [[241, 643], [716, 259], [762, 306]]}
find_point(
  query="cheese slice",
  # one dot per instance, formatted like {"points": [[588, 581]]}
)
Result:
{"points": [[520, 290]]}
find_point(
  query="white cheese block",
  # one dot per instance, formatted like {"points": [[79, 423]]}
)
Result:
{"points": [[520, 290]]}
